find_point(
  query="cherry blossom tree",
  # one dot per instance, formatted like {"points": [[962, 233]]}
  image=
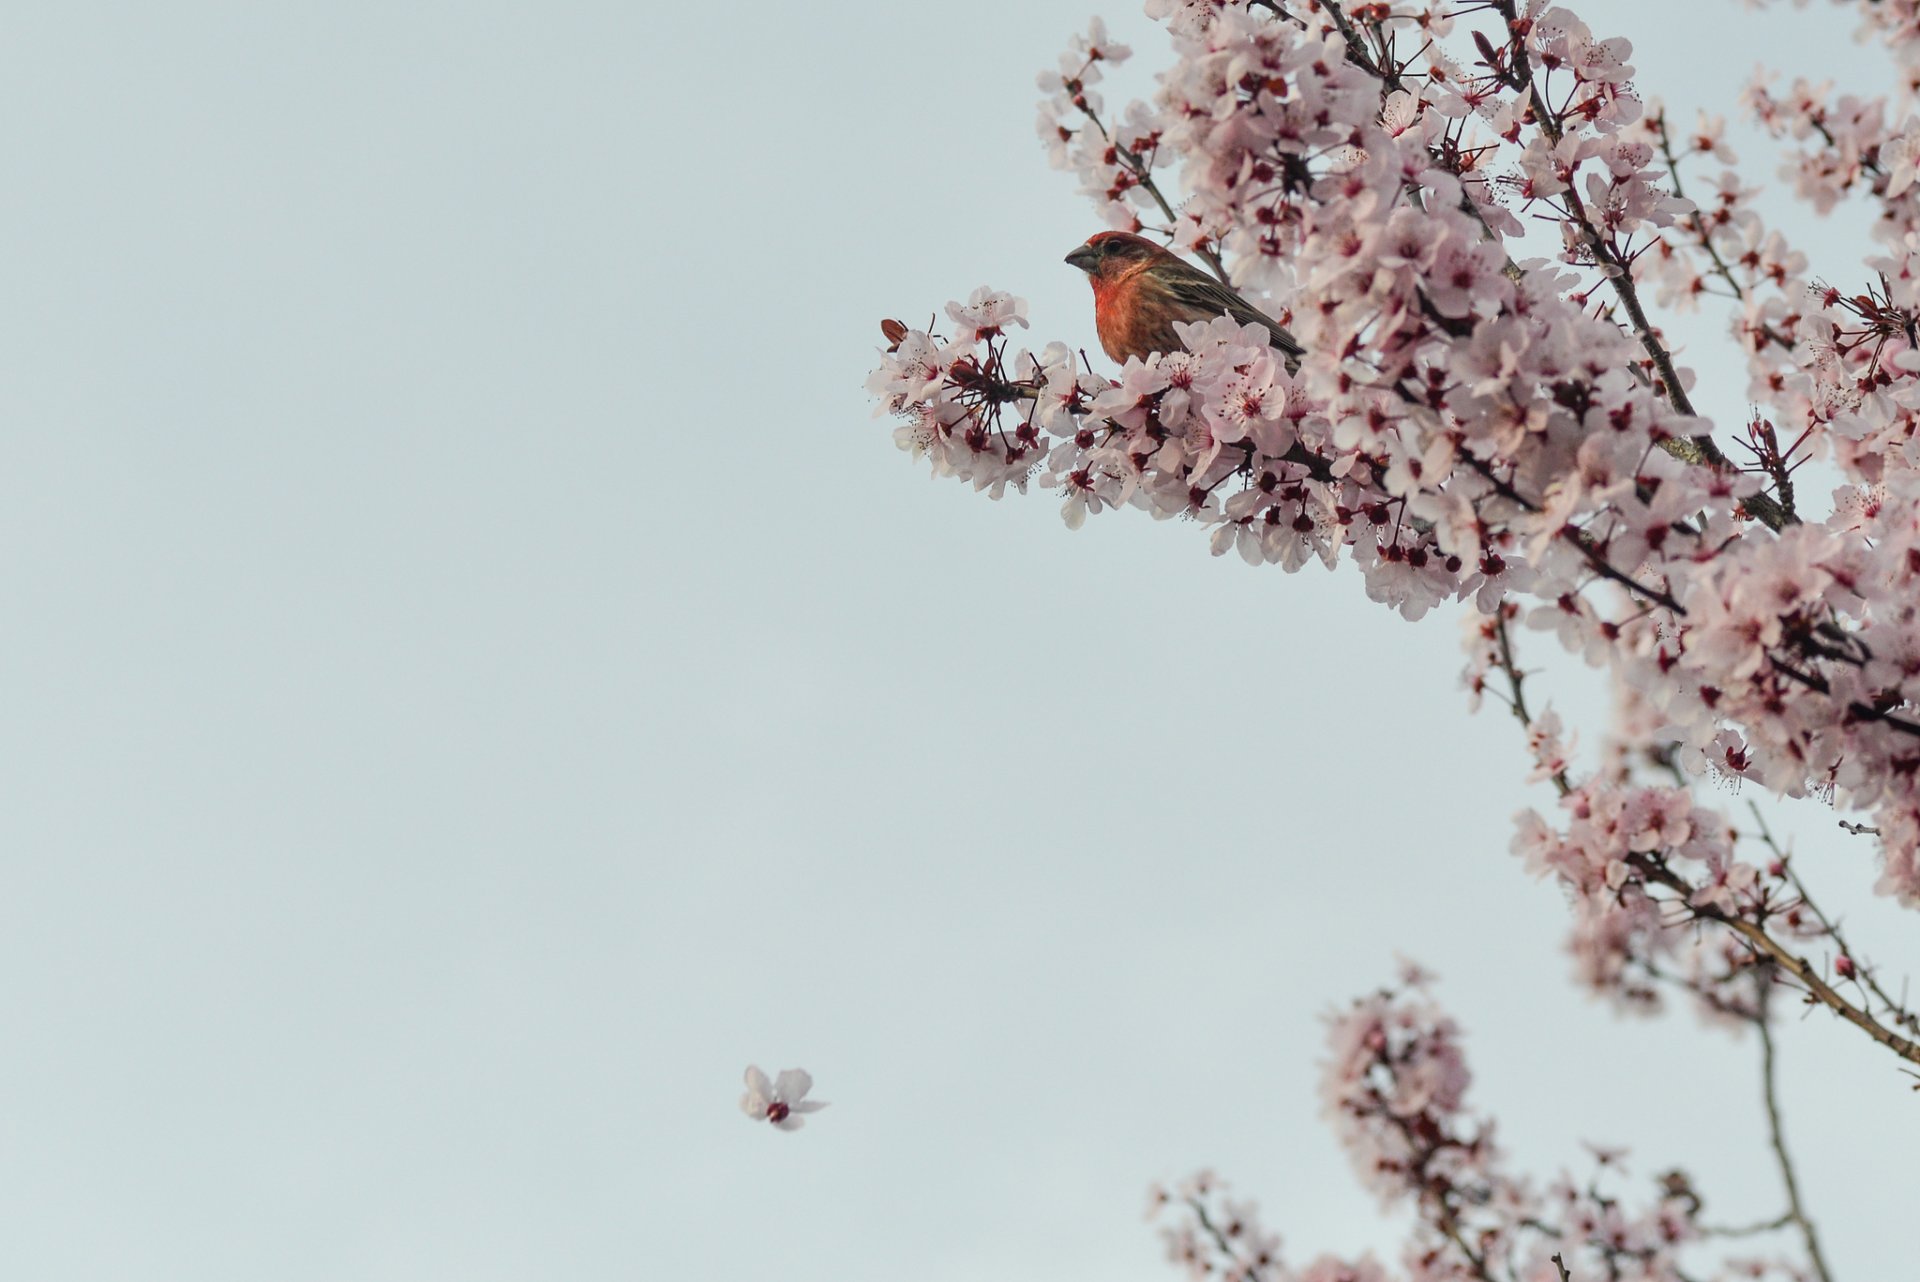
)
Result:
{"points": [[1470, 218]]}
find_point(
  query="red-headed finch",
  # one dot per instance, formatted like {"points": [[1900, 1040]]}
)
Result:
{"points": [[1140, 290]]}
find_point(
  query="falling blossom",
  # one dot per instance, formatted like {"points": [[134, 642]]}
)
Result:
{"points": [[781, 1101]]}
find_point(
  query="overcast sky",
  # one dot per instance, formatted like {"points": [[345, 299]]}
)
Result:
{"points": [[477, 676]]}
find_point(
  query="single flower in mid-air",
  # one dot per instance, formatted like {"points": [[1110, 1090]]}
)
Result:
{"points": [[780, 1101]]}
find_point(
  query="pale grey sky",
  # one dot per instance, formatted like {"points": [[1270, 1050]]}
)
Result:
{"points": [[476, 676]]}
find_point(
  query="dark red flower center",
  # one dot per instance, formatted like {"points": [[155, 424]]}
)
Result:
{"points": [[777, 1112]]}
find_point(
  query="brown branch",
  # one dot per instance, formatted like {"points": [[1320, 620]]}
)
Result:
{"points": [[1252, 1267], [1799, 967], [1892, 1010], [1747, 1230], [1855, 709], [1515, 682], [1796, 1209], [1579, 538]]}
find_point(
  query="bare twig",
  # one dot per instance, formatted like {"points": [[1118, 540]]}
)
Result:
{"points": [[1516, 681], [1796, 1209], [1780, 1221]]}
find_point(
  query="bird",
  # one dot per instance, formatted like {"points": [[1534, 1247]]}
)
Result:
{"points": [[1140, 290]]}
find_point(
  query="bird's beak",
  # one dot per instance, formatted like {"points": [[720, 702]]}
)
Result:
{"points": [[1084, 258]]}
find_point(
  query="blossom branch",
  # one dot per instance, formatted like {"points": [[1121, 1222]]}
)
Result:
{"points": [[1578, 538], [1459, 428], [1142, 172], [1248, 1270], [1701, 231], [1516, 681], [1457, 432], [1692, 449], [1655, 870], [1388, 73]]}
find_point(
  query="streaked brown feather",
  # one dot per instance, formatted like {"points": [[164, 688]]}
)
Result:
{"points": [[1208, 298]]}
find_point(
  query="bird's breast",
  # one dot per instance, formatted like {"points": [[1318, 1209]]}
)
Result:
{"points": [[1135, 316]]}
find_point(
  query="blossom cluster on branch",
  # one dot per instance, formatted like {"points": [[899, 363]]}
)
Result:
{"points": [[1394, 1086]]}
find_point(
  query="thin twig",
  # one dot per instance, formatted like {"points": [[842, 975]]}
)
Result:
{"points": [[1143, 176], [1516, 681], [1795, 1207], [1747, 1230], [1799, 967], [1700, 228], [1214, 1231], [1863, 973]]}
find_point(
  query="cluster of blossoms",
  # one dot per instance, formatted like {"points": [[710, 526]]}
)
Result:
{"points": [[1395, 1085], [1627, 856], [1484, 414]]}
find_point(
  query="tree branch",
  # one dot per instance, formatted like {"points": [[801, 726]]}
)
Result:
{"points": [[1799, 967], [1796, 1209], [1863, 973], [1755, 935]]}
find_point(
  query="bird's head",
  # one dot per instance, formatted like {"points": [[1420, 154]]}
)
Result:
{"points": [[1111, 254]]}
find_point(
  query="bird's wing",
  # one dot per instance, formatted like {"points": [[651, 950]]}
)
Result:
{"points": [[1197, 289]]}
